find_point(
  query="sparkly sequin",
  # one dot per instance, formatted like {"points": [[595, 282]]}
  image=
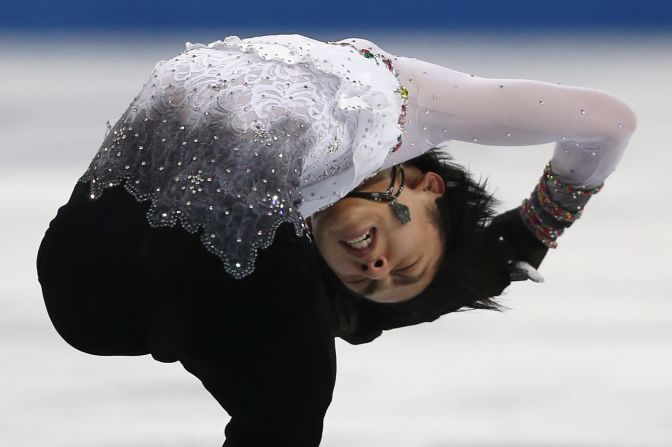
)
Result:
{"points": [[193, 183], [402, 90], [223, 145]]}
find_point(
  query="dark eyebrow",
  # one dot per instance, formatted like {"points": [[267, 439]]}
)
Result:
{"points": [[397, 281]]}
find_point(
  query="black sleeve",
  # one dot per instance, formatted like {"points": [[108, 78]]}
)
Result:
{"points": [[514, 240]]}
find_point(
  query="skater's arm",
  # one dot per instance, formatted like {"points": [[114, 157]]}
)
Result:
{"points": [[590, 128]]}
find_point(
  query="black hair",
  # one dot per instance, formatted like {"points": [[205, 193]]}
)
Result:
{"points": [[461, 214], [471, 271]]}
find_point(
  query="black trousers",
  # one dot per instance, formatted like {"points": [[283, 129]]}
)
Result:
{"points": [[262, 345]]}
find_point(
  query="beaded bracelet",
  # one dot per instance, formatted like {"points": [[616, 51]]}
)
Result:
{"points": [[560, 186], [543, 231], [553, 208], [546, 218]]}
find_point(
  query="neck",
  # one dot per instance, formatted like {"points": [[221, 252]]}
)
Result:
{"points": [[412, 175]]}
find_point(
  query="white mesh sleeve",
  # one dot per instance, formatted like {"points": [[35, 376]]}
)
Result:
{"points": [[591, 128]]}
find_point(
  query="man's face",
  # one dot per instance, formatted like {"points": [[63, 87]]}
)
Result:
{"points": [[395, 261]]}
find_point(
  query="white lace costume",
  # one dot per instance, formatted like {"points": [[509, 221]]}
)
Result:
{"points": [[238, 136]]}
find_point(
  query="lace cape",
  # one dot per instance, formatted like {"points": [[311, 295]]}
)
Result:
{"points": [[239, 136]]}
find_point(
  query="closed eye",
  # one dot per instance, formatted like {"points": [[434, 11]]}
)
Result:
{"points": [[365, 280], [408, 267]]}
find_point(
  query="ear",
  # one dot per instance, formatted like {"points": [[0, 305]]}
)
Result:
{"points": [[431, 181]]}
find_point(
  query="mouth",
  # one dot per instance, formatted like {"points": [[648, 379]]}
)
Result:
{"points": [[363, 245]]}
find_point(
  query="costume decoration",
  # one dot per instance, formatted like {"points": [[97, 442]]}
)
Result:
{"points": [[400, 210], [233, 138], [542, 212], [236, 137], [403, 91]]}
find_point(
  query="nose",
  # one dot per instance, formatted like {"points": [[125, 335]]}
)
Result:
{"points": [[376, 268]]}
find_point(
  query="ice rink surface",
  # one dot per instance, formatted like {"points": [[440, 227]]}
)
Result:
{"points": [[584, 360]]}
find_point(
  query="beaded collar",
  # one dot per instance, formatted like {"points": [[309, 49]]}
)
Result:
{"points": [[402, 90]]}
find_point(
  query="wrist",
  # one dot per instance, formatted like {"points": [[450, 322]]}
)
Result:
{"points": [[553, 206]]}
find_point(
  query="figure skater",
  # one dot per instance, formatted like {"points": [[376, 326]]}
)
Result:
{"points": [[261, 196]]}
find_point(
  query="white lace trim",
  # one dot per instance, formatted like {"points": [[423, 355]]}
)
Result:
{"points": [[228, 137], [368, 102]]}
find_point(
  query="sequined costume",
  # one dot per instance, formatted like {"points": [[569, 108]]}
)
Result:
{"points": [[238, 136], [237, 142]]}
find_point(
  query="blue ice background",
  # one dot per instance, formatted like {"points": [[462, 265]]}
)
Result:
{"points": [[311, 14]]}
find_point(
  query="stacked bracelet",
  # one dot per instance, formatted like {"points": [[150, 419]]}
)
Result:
{"points": [[543, 230], [553, 208], [542, 212], [559, 186]]}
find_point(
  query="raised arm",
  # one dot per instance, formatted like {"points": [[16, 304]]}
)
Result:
{"points": [[591, 128]]}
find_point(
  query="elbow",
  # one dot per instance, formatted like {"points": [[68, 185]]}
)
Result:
{"points": [[620, 118], [627, 119]]}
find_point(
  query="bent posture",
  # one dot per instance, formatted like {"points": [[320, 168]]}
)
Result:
{"points": [[261, 196]]}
